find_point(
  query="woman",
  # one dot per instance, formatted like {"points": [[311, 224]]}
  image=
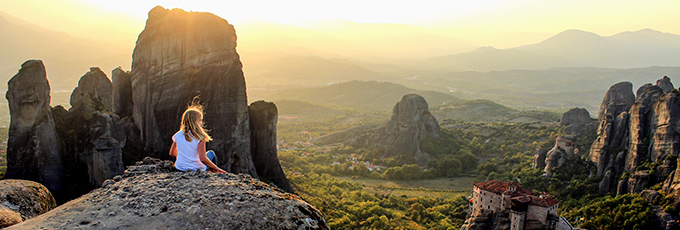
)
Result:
{"points": [[188, 144]]}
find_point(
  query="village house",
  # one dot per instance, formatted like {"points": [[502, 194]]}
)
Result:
{"points": [[522, 205]]}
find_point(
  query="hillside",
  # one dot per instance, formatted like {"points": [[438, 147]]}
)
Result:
{"points": [[361, 95]]}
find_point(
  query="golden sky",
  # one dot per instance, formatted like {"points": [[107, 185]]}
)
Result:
{"points": [[125, 17]]}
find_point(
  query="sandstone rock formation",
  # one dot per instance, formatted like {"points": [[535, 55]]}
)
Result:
{"points": [[575, 116], [665, 140], [563, 150], [98, 133], [151, 195], [178, 56], [21, 200], [539, 159], [646, 132], [574, 120], [32, 148], [263, 119], [121, 99], [411, 123], [618, 98], [640, 121], [92, 93], [665, 84]]}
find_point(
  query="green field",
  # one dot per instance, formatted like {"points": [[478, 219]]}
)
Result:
{"points": [[440, 187]]}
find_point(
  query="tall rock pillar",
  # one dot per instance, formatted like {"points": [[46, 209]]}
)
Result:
{"points": [[32, 148], [178, 56], [263, 119]]}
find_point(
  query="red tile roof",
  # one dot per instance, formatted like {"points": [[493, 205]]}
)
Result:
{"points": [[520, 194], [499, 187]]}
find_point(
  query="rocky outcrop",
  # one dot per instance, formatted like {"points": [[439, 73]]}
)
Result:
{"points": [[574, 120], [619, 98], [563, 150], [575, 116], [263, 119], [647, 132], [640, 121], [92, 93], [539, 159], [665, 124], [121, 98], [151, 195], [410, 124], [99, 137], [32, 146], [178, 56], [613, 129], [21, 200], [665, 84]]}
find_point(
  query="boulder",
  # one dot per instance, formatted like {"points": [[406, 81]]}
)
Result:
{"points": [[152, 195], [121, 98], [32, 146], [263, 119], [640, 119], [178, 56], [21, 200], [665, 84], [410, 124]]}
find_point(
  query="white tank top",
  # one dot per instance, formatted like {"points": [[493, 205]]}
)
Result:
{"points": [[187, 153]]}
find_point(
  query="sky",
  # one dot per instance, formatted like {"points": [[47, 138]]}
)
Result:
{"points": [[100, 19]]}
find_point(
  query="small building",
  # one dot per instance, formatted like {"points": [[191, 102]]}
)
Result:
{"points": [[522, 205]]}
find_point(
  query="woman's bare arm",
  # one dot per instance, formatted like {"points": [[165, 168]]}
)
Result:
{"points": [[173, 149], [204, 158]]}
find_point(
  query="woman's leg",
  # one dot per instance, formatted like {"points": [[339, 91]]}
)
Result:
{"points": [[211, 156]]}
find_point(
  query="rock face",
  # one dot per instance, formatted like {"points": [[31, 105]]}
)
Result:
{"points": [[151, 195], [121, 99], [411, 123], [574, 120], [646, 132], [178, 56], [21, 200], [665, 84], [263, 119], [575, 116], [563, 150], [640, 121], [93, 92], [32, 148], [666, 127], [98, 133], [607, 151], [618, 98]]}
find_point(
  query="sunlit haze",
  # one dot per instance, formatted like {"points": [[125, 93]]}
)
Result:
{"points": [[477, 19]]}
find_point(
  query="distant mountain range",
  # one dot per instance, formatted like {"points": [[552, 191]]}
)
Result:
{"points": [[571, 48], [66, 58]]}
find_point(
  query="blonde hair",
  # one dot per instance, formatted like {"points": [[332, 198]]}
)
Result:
{"points": [[190, 124]]}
